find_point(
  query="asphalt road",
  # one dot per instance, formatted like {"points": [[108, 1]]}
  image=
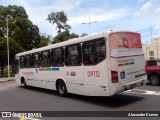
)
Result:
{"points": [[14, 98]]}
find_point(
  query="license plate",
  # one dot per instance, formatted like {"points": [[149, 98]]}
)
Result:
{"points": [[133, 86]]}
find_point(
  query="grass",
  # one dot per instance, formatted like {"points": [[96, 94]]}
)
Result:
{"points": [[6, 74]]}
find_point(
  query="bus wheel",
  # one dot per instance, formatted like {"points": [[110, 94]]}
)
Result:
{"points": [[23, 82], [154, 80], [61, 88]]}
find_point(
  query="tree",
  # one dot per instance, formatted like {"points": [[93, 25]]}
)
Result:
{"points": [[60, 19], [14, 49], [20, 27], [84, 34], [64, 36], [13, 12], [25, 33], [45, 40], [73, 35]]}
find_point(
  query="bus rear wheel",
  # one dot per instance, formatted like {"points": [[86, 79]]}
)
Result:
{"points": [[61, 88]]}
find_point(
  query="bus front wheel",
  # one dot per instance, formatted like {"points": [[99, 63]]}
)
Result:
{"points": [[23, 82], [61, 88]]}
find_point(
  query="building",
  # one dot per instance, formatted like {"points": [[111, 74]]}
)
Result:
{"points": [[152, 50]]}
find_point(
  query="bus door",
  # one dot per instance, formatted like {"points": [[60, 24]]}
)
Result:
{"points": [[126, 56], [74, 68], [94, 61]]}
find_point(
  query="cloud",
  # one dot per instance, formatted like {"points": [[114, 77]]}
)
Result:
{"points": [[157, 10], [97, 15], [140, 1], [135, 15], [157, 29], [144, 9], [146, 6], [26, 6], [38, 11]]}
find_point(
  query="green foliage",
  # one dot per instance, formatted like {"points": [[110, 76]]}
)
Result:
{"points": [[6, 74], [64, 36], [45, 40], [14, 48], [20, 27], [84, 34], [25, 33], [3, 50], [73, 35], [60, 19], [13, 12]]}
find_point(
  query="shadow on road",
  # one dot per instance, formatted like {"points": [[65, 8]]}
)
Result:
{"points": [[115, 101], [149, 84]]}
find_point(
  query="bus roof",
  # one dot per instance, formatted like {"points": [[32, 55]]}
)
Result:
{"points": [[72, 41]]}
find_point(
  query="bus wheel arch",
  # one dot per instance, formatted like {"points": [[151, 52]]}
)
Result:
{"points": [[23, 81], [61, 87]]}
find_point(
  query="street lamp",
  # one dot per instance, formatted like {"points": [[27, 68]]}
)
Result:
{"points": [[8, 17], [89, 23]]}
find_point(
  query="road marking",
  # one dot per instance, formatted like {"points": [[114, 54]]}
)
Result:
{"points": [[22, 118], [27, 118], [146, 92]]}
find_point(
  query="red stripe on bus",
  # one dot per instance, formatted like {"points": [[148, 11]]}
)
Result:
{"points": [[41, 69], [120, 64]]}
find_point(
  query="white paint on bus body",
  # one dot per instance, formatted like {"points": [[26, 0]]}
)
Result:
{"points": [[96, 79]]}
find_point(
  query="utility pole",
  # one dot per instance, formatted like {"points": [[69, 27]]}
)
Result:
{"points": [[89, 23], [8, 47]]}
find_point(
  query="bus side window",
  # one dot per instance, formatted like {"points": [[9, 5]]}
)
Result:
{"points": [[73, 56], [45, 62], [94, 51], [22, 62], [28, 61], [36, 60], [89, 56], [100, 50], [57, 56]]}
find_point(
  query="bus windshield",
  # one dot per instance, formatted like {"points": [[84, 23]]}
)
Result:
{"points": [[125, 44]]}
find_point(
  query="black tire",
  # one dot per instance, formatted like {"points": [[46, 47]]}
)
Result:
{"points": [[154, 80], [23, 82], [61, 88], [25, 85]]}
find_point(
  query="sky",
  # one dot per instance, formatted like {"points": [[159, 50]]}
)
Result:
{"points": [[135, 15]]}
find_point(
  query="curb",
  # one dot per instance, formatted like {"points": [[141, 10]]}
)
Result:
{"points": [[8, 80]]}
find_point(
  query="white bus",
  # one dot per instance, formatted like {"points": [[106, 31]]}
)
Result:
{"points": [[101, 64]]}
